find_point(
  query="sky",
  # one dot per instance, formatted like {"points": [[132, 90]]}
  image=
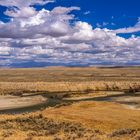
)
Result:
{"points": [[40, 33]]}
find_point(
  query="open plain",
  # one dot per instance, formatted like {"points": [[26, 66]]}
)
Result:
{"points": [[61, 103]]}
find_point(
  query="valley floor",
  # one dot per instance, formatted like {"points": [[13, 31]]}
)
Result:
{"points": [[70, 109]]}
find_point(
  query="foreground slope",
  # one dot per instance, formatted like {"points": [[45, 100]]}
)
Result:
{"points": [[84, 103]]}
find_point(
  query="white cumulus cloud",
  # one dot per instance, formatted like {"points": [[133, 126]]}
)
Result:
{"points": [[50, 37]]}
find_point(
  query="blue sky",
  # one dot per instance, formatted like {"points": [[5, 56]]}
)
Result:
{"points": [[69, 32], [123, 13], [114, 13]]}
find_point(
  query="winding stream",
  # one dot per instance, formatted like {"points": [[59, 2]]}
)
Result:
{"points": [[33, 102]]}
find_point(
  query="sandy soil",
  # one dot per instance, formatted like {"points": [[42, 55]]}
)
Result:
{"points": [[9, 102], [14, 102]]}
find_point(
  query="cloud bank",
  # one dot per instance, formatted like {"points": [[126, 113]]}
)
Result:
{"points": [[49, 37]]}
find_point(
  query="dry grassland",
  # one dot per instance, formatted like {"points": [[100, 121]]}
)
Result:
{"points": [[77, 120]]}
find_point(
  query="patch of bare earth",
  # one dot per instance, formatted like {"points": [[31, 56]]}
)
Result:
{"points": [[15, 102]]}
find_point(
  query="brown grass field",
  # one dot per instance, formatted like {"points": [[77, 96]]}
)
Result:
{"points": [[84, 104]]}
